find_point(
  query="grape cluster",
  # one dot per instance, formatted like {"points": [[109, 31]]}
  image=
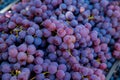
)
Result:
{"points": [[59, 40]]}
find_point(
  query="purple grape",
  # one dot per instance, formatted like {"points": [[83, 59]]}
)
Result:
{"points": [[68, 2], [38, 33], [60, 74], [67, 76], [69, 15], [29, 39], [5, 67], [38, 60], [30, 58], [37, 68], [39, 53], [13, 52], [11, 25], [40, 76], [4, 56], [31, 49], [52, 56], [22, 34], [6, 76], [63, 6], [62, 67], [31, 31], [13, 78], [52, 69], [76, 76], [37, 41], [22, 47], [12, 59], [16, 66], [22, 56]]}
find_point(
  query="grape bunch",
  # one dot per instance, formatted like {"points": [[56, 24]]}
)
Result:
{"points": [[59, 40]]}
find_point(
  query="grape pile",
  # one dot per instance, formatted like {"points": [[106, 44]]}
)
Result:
{"points": [[59, 40]]}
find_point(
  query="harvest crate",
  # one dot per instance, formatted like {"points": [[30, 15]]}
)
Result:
{"points": [[113, 69], [8, 6]]}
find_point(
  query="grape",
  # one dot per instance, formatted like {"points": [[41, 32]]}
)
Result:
{"points": [[52, 57], [104, 3], [52, 69], [30, 58], [68, 2], [52, 77], [109, 12], [63, 6], [45, 66], [5, 67], [46, 33], [40, 76], [22, 47], [61, 32], [26, 23], [30, 67], [18, 20], [74, 23], [62, 60], [37, 3], [4, 56], [22, 56], [13, 52], [29, 39], [31, 31], [57, 40], [4, 36], [47, 61], [38, 33], [37, 68], [9, 42], [76, 76], [22, 76], [46, 79], [16, 66], [62, 67], [109, 65], [67, 76], [1, 40], [69, 15], [38, 60], [38, 19], [22, 34], [103, 66], [60, 74], [6, 76], [11, 25], [39, 53], [3, 47], [37, 41], [51, 48], [93, 77], [31, 49], [47, 1], [35, 26], [12, 59], [13, 78]]}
